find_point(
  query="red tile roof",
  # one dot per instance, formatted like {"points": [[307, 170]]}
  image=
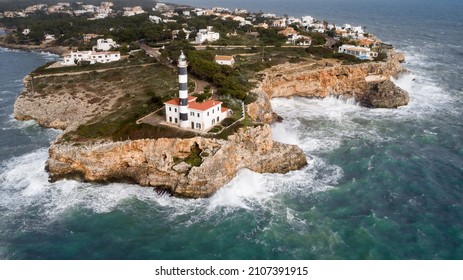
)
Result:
{"points": [[176, 101], [192, 104], [206, 105], [224, 57]]}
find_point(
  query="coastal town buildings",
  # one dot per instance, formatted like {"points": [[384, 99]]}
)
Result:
{"points": [[206, 35], [155, 19], [49, 37], [306, 21], [105, 44], [185, 112], [359, 52], [132, 11], [92, 57]]}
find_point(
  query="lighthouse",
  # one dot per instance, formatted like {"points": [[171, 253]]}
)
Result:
{"points": [[185, 112], [183, 90]]}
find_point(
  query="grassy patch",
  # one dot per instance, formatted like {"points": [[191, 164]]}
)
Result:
{"points": [[194, 159]]}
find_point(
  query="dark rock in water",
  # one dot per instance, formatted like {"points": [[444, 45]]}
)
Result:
{"points": [[385, 95]]}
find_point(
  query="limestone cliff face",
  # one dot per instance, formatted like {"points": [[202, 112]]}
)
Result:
{"points": [[320, 79], [160, 162]]}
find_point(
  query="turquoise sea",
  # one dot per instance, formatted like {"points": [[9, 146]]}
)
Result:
{"points": [[380, 184]]}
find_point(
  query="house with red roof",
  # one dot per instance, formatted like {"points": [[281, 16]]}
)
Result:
{"points": [[201, 116]]}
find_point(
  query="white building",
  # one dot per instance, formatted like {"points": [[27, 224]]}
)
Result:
{"points": [[132, 11], [280, 23], [269, 15], [73, 58], [303, 40], [155, 19], [26, 31], [49, 37], [185, 112], [307, 21], [106, 4], [105, 44], [359, 52], [224, 60], [207, 35], [201, 116], [357, 29], [293, 20], [198, 11]]}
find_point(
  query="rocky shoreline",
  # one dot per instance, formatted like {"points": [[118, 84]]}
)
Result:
{"points": [[158, 163], [58, 50], [162, 163]]}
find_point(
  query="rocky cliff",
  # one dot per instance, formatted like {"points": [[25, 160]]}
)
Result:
{"points": [[60, 108], [320, 79], [164, 162]]}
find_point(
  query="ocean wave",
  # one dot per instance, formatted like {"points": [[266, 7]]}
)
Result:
{"points": [[25, 188]]}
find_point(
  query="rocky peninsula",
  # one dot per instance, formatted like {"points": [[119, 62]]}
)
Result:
{"points": [[163, 162]]}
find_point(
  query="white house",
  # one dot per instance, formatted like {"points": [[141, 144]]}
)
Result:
{"points": [[304, 40], [359, 52], [26, 31], [73, 58], [155, 19], [357, 29], [105, 44], [50, 37], [132, 11], [207, 35], [224, 60], [201, 116], [281, 23], [269, 15], [198, 11]]}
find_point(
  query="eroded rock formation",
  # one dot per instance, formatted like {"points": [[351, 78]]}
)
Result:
{"points": [[385, 95], [320, 79], [161, 163]]}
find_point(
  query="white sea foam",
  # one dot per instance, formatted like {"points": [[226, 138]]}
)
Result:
{"points": [[245, 189], [25, 186]]}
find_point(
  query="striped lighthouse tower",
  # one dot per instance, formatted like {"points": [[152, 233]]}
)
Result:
{"points": [[183, 90]]}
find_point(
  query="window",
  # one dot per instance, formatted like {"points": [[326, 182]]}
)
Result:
{"points": [[170, 119], [170, 109], [198, 115], [208, 114], [218, 119], [212, 111], [176, 120], [213, 121], [175, 110], [198, 125], [192, 114]]}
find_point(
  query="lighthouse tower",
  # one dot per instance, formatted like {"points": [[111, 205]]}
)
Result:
{"points": [[183, 90]]}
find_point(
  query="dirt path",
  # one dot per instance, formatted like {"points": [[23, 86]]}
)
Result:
{"points": [[90, 71]]}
